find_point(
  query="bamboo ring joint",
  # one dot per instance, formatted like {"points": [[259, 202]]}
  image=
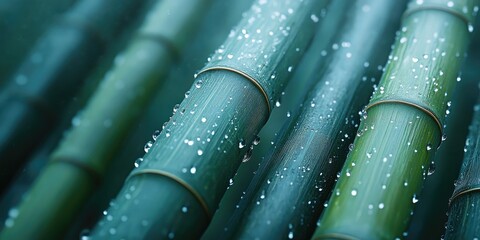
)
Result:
{"points": [[423, 109], [163, 41], [437, 7], [463, 192], [96, 176], [245, 75], [180, 181]]}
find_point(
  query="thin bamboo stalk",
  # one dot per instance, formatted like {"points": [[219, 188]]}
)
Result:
{"points": [[464, 212], [303, 167], [83, 156], [35, 96], [383, 174], [176, 189]]}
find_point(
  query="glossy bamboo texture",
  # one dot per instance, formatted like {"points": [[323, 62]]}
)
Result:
{"points": [[383, 174]]}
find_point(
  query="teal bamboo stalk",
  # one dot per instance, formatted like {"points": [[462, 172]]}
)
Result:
{"points": [[35, 96], [237, 195], [302, 169], [83, 156], [464, 212], [177, 187], [383, 174]]}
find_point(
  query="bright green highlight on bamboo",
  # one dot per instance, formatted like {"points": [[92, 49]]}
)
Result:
{"points": [[383, 174]]}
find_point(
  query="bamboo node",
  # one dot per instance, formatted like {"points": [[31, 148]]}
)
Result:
{"points": [[180, 181], [463, 192], [438, 7], [245, 75], [91, 171], [415, 105]]}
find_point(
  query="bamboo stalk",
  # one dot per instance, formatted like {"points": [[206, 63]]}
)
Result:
{"points": [[429, 218], [35, 96], [383, 174], [234, 201], [464, 212], [176, 189], [303, 167], [84, 154]]}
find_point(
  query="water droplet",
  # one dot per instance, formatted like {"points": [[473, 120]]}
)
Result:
{"points": [[198, 84], [199, 152], [444, 137], [450, 4], [414, 59], [290, 68], [193, 170], [187, 93], [290, 235], [277, 104], [429, 147], [354, 192], [247, 155], [85, 234], [431, 168], [381, 205], [470, 28], [203, 119], [155, 135], [403, 40], [314, 18], [147, 146], [414, 198], [256, 141], [138, 162], [241, 143], [350, 147], [184, 209]]}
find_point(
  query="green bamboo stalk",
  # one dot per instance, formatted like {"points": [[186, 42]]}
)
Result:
{"points": [[429, 218], [383, 174], [33, 99], [303, 167], [464, 212], [176, 189], [84, 154]]}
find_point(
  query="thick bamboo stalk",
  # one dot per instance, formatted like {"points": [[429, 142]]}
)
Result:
{"points": [[84, 154], [33, 99], [176, 189], [304, 164], [383, 174], [464, 213], [236, 197], [429, 218]]}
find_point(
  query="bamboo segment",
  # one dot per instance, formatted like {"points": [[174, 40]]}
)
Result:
{"points": [[176, 188], [303, 166], [383, 174], [84, 154], [33, 99], [464, 213]]}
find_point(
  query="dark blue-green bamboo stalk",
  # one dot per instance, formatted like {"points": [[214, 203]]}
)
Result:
{"points": [[35, 96]]}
